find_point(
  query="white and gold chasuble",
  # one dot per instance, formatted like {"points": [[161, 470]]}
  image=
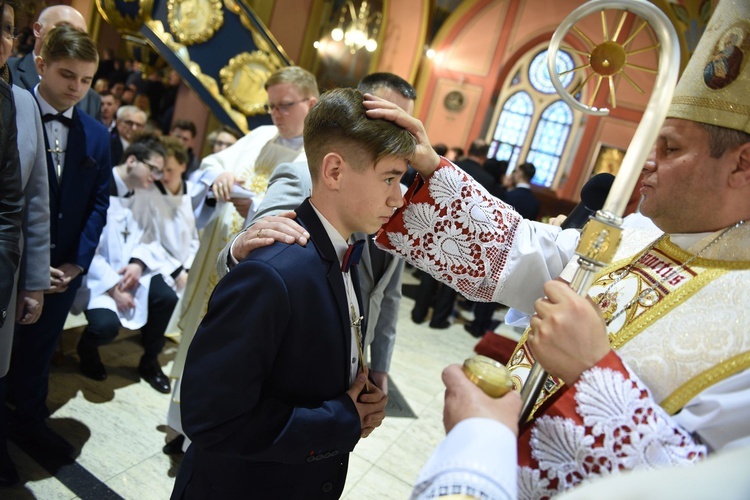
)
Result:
{"points": [[252, 160], [676, 355], [675, 343]]}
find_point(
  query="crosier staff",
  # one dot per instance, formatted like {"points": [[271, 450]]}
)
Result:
{"points": [[601, 235]]}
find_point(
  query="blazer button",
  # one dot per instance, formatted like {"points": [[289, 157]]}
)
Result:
{"points": [[59, 216], [327, 487], [52, 246]]}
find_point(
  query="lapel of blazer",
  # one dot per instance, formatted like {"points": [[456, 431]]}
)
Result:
{"points": [[75, 152], [27, 71], [54, 187], [306, 214], [365, 264]]}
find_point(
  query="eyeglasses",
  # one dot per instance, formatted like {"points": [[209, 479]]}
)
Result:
{"points": [[284, 108], [132, 124], [10, 32], [222, 144], [156, 172]]}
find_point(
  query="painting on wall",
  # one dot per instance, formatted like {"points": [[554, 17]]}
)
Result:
{"points": [[608, 159]]}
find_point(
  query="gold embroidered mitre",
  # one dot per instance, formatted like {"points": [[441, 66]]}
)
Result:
{"points": [[716, 82]]}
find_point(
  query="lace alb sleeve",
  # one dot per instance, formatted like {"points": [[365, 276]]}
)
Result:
{"points": [[453, 229], [616, 426]]}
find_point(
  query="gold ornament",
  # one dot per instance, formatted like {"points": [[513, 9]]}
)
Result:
{"points": [[243, 81], [194, 21]]}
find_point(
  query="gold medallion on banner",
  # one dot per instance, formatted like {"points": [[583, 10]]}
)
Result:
{"points": [[243, 81], [194, 21]]}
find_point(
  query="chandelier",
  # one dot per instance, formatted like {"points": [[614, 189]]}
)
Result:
{"points": [[362, 29]]}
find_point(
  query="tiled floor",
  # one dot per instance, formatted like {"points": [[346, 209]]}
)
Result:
{"points": [[119, 425]]}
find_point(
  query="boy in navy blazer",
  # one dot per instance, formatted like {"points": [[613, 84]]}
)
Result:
{"points": [[274, 393], [78, 169]]}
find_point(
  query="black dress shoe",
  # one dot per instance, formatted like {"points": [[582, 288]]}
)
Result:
{"points": [[38, 437], [475, 332], [174, 447], [91, 364], [151, 372], [441, 325]]}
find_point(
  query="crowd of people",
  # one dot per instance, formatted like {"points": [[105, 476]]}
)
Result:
{"points": [[106, 208]]}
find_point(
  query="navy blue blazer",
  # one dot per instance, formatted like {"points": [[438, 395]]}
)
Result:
{"points": [[524, 202], [78, 204], [24, 74], [263, 390]]}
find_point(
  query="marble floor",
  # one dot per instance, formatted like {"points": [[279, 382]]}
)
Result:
{"points": [[119, 426]]}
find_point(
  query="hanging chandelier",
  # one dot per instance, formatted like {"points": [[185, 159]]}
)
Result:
{"points": [[362, 29]]}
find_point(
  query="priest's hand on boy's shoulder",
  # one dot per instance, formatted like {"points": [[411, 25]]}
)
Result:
{"points": [[265, 231]]}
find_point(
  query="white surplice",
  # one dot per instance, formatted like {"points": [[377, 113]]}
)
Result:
{"points": [[123, 238]]}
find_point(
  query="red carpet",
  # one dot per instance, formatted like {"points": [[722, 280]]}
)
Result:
{"points": [[496, 346]]}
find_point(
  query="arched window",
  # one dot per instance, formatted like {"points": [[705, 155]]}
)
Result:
{"points": [[512, 128], [549, 142], [532, 124]]}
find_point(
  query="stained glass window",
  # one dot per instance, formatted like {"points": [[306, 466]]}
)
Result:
{"points": [[533, 124], [539, 76], [549, 141], [512, 128]]}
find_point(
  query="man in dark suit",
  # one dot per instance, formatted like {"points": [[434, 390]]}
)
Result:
{"points": [[472, 163], [129, 121], [272, 391], [78, 171], [521, 198], [24, 69]]}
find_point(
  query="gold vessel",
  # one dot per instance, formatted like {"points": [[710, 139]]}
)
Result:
{"points": [[489, 375]]}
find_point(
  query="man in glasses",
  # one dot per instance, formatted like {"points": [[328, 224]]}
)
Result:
{"points": [[292, 92], [122, 288], [130, 120], [23, 69], [78, 169]]}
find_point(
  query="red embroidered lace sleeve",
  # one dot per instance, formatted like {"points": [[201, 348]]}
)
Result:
{"points": [[607, 422], [453, 229]]}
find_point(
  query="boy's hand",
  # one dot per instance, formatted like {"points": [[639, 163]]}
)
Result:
{"points": [[370, 405], [425, 159]]}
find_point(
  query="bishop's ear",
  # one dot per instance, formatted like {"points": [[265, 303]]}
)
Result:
{"points": [[740, 177]]}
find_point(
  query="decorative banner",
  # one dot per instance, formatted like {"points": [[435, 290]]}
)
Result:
{"points": [[206, 41]]}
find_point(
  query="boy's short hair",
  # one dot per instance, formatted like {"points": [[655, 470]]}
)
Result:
{"points": [[174, 147], [338, 123], [66, 42], [144, 146], [185, 125], [300, 78], [375, 81]]}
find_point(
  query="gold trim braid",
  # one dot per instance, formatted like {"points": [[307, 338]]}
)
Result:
{"points": [[733, 107], [687, 391], [672, 300]]}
